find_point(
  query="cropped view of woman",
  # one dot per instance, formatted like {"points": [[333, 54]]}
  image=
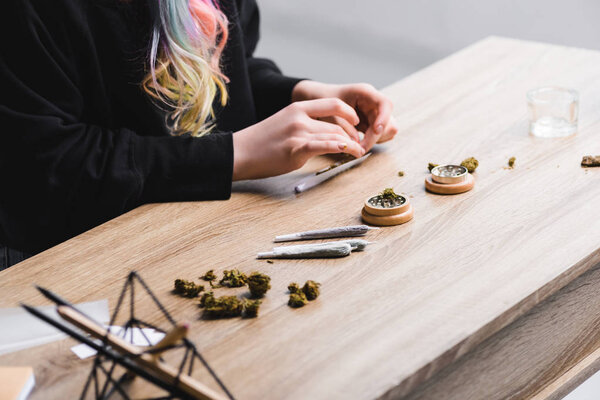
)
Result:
{"points": [[110, 104]]}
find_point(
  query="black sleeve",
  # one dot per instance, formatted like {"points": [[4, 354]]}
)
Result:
{"points": [[271, 89], [60, 175]]}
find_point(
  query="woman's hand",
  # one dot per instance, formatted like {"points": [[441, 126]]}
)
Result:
{"points": [[373, 108], [287, 139]]}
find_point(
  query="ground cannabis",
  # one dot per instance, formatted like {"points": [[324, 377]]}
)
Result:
{"points": [[590, 161], [470, 164], [511, 162], [250, 308], [387, 199], [431, 166], [345, 158], [270, 261], [233, 278], [311, 289], [400, 173], [294, 288], [388, 194], [187, 288], [258, 284], [223, 307], [209, 276], [207, 299], [297, 300]]}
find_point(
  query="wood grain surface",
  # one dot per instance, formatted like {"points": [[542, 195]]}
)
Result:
{"points": [[542, 355], [420, 298]]}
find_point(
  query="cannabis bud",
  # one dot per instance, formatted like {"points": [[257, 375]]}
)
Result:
{"points": [[223, 307], [311, 290], [388, 194], [258, 284], [250, 308], [233, 278], [207, 299], [294, 288], [187, 288], [297, 300], [470, 164], [431, 166], [590, 161], [299, 297], [209, 276]]}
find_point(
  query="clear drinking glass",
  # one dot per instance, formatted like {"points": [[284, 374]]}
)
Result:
{"points": [[553, 111]]}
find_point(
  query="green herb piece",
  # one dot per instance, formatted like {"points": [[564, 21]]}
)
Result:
{"points": [[388, 194], [258, 284], [223, 307], [297, 300], [250, 308], [233, 278], [387, 199], [187, 288], [511, 162], [207, 299], [400, 173], [209, 276], [432, 166], [311, 289], [590, 161], [470, 164], [294, 288], [346, 158]]}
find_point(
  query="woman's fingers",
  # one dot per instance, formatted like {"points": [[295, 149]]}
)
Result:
{"points": [[373, 100], [329, 108], [384, 113], [370, 139], [390, 131], [346, 126], [316, 146], [334, 125], [329, 136]]}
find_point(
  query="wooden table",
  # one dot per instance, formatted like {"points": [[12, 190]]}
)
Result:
{"points": [[488, 294]]}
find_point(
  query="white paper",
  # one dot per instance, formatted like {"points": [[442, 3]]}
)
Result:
{"points": [[26, 391], [21, 330], [134, 336], [314, 180]]}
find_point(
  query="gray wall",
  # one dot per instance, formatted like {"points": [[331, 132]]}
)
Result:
{"points": [[381, 41]]}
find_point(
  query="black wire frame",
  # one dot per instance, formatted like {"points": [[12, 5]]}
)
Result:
{"points": [[105, 366]]}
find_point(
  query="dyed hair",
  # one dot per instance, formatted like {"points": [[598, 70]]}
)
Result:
{"points": [[185, 75]]}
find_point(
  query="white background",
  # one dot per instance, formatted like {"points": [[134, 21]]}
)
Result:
{"points": [[381, 41]]}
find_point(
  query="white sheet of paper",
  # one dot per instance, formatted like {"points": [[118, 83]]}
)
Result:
{"points": [[21, 330], [314, 180], [134, 336]]}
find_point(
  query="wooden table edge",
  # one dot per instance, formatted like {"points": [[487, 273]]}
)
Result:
{"points": [[515, 312]]}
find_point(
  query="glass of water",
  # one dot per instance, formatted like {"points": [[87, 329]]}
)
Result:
{"points": [[553, 111]]}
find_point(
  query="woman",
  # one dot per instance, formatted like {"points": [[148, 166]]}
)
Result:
{"points": [[110, 104]]}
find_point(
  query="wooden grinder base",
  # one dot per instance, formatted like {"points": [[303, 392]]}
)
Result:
{"points": [[388, 220], [449, 188]]}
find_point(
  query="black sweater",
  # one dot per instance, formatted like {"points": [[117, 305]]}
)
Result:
{"points": [[81, 142]]}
